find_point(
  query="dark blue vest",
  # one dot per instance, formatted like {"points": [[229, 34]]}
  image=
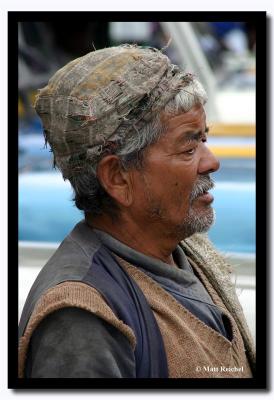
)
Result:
{"points": [[130, 305]]}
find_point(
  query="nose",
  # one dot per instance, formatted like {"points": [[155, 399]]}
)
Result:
{"points": [[208, 162]]}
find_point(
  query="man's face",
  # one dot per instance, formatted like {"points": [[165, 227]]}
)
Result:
{"points": [[170, 193]]}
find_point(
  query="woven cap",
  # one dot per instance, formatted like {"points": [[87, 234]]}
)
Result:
{"points": [[87, 100]]}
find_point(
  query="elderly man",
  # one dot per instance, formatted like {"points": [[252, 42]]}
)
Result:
{"points": [[136, 290]]}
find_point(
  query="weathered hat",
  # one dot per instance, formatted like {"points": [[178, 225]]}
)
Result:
{"points": [[101, 97]]}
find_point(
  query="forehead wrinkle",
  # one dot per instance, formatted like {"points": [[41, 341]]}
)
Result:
{"points": [[183, 121], [190, 117], [191, 122]]}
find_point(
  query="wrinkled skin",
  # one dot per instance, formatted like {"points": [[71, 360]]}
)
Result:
{"points": [[159, 204]]}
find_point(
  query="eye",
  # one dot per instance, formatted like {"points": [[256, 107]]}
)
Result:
{"points": [[190, 151], [191, 148]]}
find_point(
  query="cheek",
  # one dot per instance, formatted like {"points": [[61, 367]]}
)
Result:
{"points": [[180, 191], [180, 196], [171, 185]]}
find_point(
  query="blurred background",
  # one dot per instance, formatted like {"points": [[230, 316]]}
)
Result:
{"points": [[222, 55]]}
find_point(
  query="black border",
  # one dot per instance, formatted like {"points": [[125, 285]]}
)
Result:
{"points": [[261, 379]]}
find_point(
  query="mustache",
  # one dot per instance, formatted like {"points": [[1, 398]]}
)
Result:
{"points": [[203, 184]]}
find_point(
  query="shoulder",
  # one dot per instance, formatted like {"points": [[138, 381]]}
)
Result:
{"points": [[70, 262], [78, 247]]}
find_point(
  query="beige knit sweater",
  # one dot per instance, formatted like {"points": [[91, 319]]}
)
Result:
{"points": [[193, 349]]}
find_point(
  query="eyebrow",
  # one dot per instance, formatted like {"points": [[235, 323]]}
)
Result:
{"points": [[190, 136]]}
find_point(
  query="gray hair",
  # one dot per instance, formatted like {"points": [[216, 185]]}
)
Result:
{"points": [[90, 196]]}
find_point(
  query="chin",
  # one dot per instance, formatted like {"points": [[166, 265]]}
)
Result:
{"points": [[204, 221], [196, 222]]}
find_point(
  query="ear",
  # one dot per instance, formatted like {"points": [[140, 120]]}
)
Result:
{"points": [[115, 180]]}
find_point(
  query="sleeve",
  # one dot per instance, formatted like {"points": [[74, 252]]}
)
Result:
{"points": [[74, 343]]}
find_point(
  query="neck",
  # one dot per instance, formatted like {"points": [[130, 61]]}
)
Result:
{"points": [[148, 240]]}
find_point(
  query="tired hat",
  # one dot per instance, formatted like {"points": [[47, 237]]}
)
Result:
{"points": [[87, 100]]}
